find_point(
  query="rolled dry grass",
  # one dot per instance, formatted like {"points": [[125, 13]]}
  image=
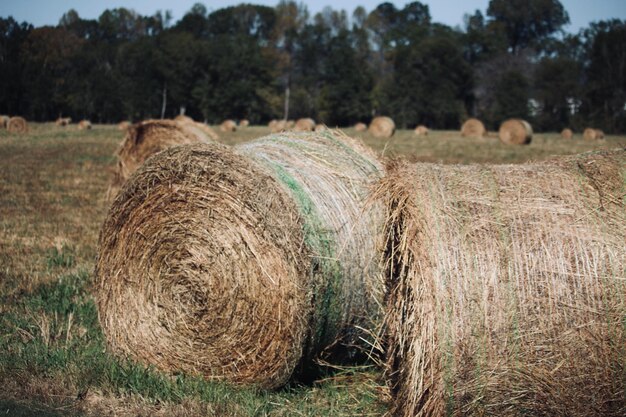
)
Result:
{"points": [[84, 125], [506, 288], [382, 127], [473, 128], [123, 125], [244, 123], [181, 118], [515, 132], [567, 133], [197, 127], [63, 121], [277, 126], [245, 263], [228, 126], [593, 134], [360, 127], [4, 121], [304, 125], [421, 130], [17, 124], [320, 127]]}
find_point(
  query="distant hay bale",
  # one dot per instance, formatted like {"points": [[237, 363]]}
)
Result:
{"points": [[277, 126], [360, 127], [593, 134], [63, 121], [192, 125], [382, 127], [304, 125], [320, 127], [421, 130], [17, 124], [242, 263], [228, 126], [123, 125], [84, 125], [567, 133], [4, 121], [181, 118], [244, 123], [515, 132], [289, 124], [505, 288], [473, 128]]}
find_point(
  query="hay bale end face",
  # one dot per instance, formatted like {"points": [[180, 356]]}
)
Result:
{"points": [[505, 287], [228, 126], [360, 127], [84, 125], [304, 125], [421, 130], [241, 264], [382, 127], [515, 132], [567, 133], [473, 128], [18, 125]]}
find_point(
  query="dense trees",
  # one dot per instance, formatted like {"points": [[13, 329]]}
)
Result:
{"points": [[259, 62]]}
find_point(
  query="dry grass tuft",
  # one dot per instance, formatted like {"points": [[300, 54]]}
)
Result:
{"points": [[506, 287], [473, 128], [515, 132], [17, 124], [382, 127], [242, 264]]}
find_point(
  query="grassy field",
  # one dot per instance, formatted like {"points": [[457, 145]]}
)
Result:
{"points": [[53, 359]]}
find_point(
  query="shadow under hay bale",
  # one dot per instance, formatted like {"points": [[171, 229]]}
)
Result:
{"points": [[505, 287], [243, 263], [17, 124], [515, 132], [382, 127], [473, 128]]}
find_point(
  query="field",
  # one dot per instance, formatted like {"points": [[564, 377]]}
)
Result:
{"points": [[53, 360]]}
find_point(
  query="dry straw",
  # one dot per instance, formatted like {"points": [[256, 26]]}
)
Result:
{"points": [[421, 130], [515, 132], [593, 134], [382, 127], [17, 124], [473, 128], [228, 126], [567, 133], [506, 288], [304, 125], [242, 263], [84, 125]]}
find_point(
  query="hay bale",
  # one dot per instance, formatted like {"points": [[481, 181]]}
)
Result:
{"points": [[123, 125], [593, 134], [515, 132], [17, 124], [277, 126], [304, 125], [421, 130], [320, 127], [228, 126], [505, 288], [84, 125], [567, 133], [244, 123], [473, 128], [289, 124], [181, 118], [200, 129], [4, 121], [382, 127], [241, 263], [360, 127], [63, 121]]}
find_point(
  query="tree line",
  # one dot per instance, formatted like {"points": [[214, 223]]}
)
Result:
{"points": [[261, 63]]}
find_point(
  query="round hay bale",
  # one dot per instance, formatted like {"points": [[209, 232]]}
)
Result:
{"points": [[289, 124], [360, 127], [123, 125], [567, 133], [4, 121], [515, 132], [304, 125], [200, 129], [63, 121], [421, 130], [320, 127], [228, 126], [181, 118], [242, 263], [382, 127], [244, 123], [473, 128], [505, 287], [84, 125], [17, 124], [593, 134], [277, 126]]}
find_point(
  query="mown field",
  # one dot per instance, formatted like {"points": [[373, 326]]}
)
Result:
{"points": [[53, 359]]}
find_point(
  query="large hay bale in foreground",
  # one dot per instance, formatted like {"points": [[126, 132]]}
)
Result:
{"points": [[242, 264], [304, 125], [421, 130], [515, 132], [382, 127], [567, 133], [473, 128], [84, 125], [593, 134], [505, 288], [228, 126], [360, 127], [17, 124]]}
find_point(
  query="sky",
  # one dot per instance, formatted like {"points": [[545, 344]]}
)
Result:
{"points": [[449, 12]]}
